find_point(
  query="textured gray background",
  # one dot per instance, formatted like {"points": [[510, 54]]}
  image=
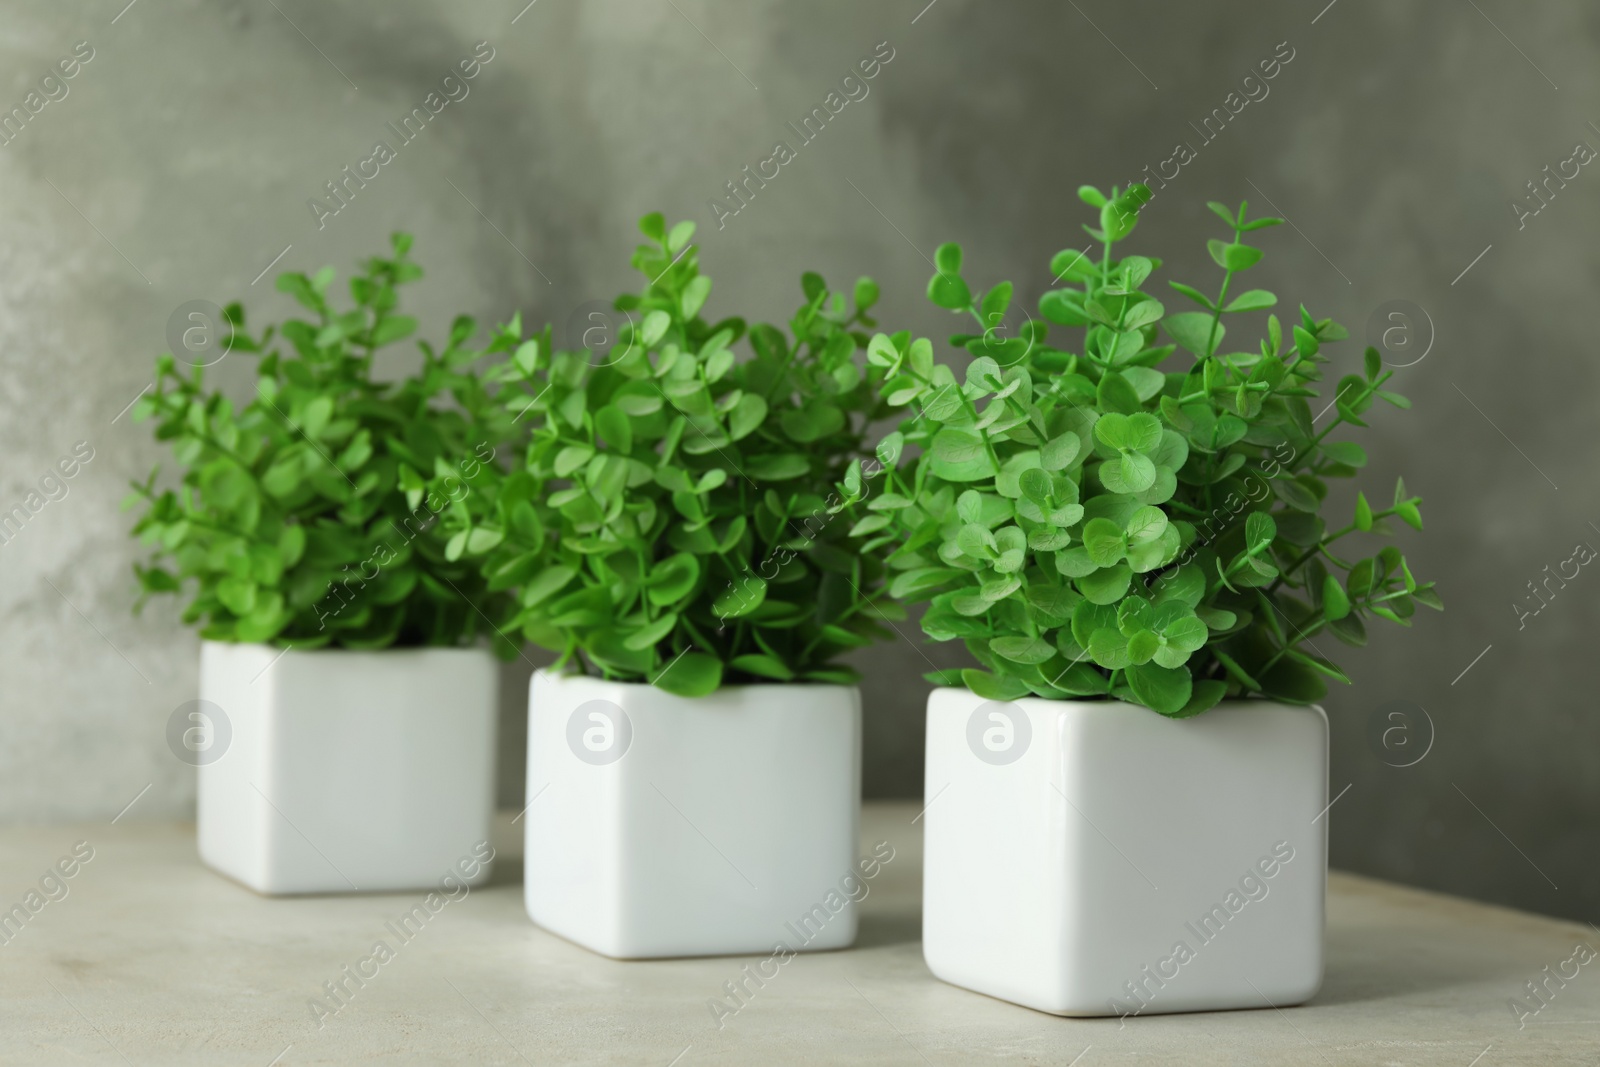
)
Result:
{"points": [[180, 164]]}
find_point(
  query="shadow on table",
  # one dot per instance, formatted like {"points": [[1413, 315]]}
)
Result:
{"points": [[1380, 963], [504, 873], [877, 930]]}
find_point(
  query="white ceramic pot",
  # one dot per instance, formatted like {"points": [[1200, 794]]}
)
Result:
{"points": [[660, 825], [1101, 859], [337, 771]]}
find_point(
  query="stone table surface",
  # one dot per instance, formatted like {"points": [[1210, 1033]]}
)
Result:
{"points": [[150, 958]]}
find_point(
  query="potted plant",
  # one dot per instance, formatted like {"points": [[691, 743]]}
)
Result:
{"points": [[1126, 796], [345, 729], [668, 535]]}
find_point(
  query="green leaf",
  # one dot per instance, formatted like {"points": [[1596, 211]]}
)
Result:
{"points": [[1346, 452], [1143, 645], [1151, 555], [654, 328], [1072, 263], [777, 466], [995, 303], [291, 545], [1035, 484], [1147, 383], [1205, 696], [763, 666], [1119, 216], [316, 415], [960, 456], [1187, 585], [1140, 432], [949, 291], [679, 236], [1103, 540], [993, 686], [694, 294], [689, 674], [1296, 495], [1306, 344], [1363, 512], [870, 525], [1109, 648], [238, 595], [1132, 472], [881, 351], [482, 539], [614, 426], [912, 584], [984, 373], [392, 328], [1259, 531], [1107, 585], [1114, 394], [1145, 525], [1012, 544], [1134, 271], [1182, 637], [1063, 307], [1143, 313], [1192, 330], [1252, 300], [1335, 604], [1234, 669], [1059, 453], [673, 579], [1162, 689], [651, 634], [1394, 398], [741, 598], [654, 226], [1194, 294], [1351, 630], [977, 541], [1026, 650], [549, 581], [1359, 582], [1233, 256], [1321, 666]]}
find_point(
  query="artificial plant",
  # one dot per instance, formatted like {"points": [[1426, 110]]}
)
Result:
{"points": [[670, 519], [302, 517], [1097, 519]]}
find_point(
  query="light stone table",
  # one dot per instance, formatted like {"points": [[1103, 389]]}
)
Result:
{"points": [[151, 959]]}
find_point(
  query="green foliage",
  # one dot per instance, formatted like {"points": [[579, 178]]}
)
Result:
{"points": [[1093, 524], [671, 519], [302, 516]]}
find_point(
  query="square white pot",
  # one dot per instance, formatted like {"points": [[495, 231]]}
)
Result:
{"points": [[1100, 859], [337, 771], [660, 825]]}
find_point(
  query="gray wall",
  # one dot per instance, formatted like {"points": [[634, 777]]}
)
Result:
{"points": [[181, 160]]}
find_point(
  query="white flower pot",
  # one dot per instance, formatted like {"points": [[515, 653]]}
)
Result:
{"points": [[337, 771], [660, 825], [1100, 859]]}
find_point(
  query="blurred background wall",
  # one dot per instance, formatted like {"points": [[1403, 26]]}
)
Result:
{"points": [[177, 164]]}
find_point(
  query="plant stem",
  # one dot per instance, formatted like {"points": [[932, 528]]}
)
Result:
{"points": [[1216, 316], [1323, 544]]}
